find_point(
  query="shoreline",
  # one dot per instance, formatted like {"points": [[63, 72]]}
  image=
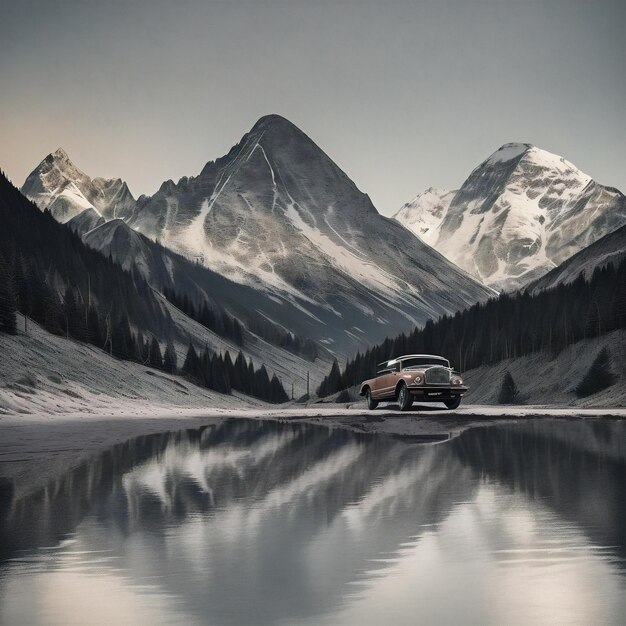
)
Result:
{"points": [[36, 448]]}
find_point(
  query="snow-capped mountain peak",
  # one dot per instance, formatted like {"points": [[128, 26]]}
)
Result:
{"points": [[58, 185], [520, 213]]}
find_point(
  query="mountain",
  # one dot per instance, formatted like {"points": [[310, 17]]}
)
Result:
{"points": [[424, 214], [58, 185], [276, 213], [47, 259], [520, 213], [85, 221], [611, 249], [167, 271]]}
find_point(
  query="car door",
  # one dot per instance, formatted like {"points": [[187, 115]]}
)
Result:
{"points": [[386, 383]]}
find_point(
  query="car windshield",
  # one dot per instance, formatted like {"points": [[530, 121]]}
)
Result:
{"points": [[421, 361]]}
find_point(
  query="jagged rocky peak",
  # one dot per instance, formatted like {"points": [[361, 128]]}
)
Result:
{"points": [[520, 213], [58, 185], [60, 155]]}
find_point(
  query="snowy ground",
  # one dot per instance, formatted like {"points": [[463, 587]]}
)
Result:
{"points": [[48, 375]]}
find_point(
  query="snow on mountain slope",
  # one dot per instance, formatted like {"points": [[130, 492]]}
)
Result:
{"points": [[519, 214], [611, 249], [163, 268], [57, 184], [424, 214], [277, 214]]}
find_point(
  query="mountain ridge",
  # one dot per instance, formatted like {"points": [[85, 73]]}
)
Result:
{"points": [[276, 213], [58, 185], [520, 213]]}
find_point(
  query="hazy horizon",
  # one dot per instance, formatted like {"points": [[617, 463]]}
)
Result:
{"points": [[402, 97]]}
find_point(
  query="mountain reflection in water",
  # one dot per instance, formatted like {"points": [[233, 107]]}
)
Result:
{"points": [[263, 522]]}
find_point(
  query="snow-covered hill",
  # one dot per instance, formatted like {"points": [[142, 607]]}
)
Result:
{"points": [[611, 249], [57, 184], [520, 213], [278, 218]]}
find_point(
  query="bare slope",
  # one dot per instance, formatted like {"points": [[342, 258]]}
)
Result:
{"points": [[46, 374]]}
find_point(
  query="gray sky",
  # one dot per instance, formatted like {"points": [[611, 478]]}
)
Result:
{"points": [[402, 95]]}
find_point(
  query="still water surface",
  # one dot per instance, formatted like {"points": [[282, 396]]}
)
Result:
{"points": [[269, 523]]}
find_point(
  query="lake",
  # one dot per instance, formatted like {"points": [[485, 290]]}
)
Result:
{"points": [[252, 522]]}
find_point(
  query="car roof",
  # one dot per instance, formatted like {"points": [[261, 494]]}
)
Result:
{"points": [[411, 356]]}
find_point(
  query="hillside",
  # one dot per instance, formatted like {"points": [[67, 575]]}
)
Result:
{"points": [[610, 250]]}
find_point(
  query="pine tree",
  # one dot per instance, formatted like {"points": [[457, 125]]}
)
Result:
{"points": [[509, 394], [598, 377], [277, 391], [94, 331], [231, 372], [262, 384], [170, 359], [218, 375], [191, 366], [154, 354], [52, 311], [332, 383], [74, 319], [8, 300], [242, 376], [123, 341]]}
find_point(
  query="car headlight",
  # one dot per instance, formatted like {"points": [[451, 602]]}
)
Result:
{"points": [[417, 380], [457, 381]]}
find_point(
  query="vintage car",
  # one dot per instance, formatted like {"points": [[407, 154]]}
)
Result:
{"points": [[414, 378]]}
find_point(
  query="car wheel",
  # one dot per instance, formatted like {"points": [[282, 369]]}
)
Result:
{"points": [[405, 400], [371, 403], [453, 404]]}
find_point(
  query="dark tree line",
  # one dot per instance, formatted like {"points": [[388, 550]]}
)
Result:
{"points": [[217, 321], [42, 258], [49, 275], [509, 326], [222, 374]]}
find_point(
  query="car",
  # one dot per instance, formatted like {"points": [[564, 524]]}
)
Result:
{"points": [[414, 378]]}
